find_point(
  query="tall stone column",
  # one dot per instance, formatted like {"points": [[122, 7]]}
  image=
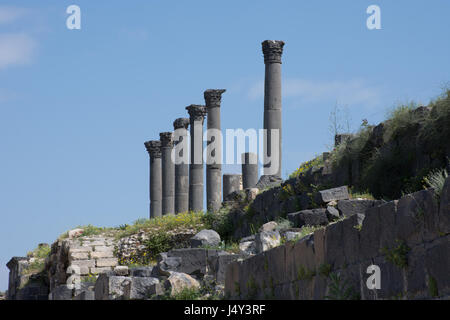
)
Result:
{"points": [[180, 126], [197, 115], [168, 173], [272, 50], [154, 150], [213, 98], [231, 183], [249, 170]]}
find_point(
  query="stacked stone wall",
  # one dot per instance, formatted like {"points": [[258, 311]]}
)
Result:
{"points": [[408, 239]]}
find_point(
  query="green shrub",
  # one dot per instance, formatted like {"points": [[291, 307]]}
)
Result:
{"points": [[398, 255], [436, 180], [400, 119], [220, 221], [340, 289], [156, 243], [184, 294], [305, 166]]}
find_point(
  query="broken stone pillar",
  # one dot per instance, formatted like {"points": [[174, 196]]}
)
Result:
{"points": [[249, 170], [214, 147], [180, 126], [154, 150], [272, 50], [197, 115], [168, 173], [231, 183]]}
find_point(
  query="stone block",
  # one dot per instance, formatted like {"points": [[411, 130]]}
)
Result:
{"points": [[85, 295], [269, 226], [334, 251], [247, 247], [108, 262], [178, 281], [437, 264], [387, 214], [319, 247], [232, 287], [267, 240], [416, 284], [143, 272], [98, 270], [205, 238], [332, 213], [78, 256], [109, 287], [80, 250], [354, 206], [121, 271], [350, 239], [192, 261], [102, 254], [334, 194], [61, 292], [275, 260], [370, 234], [167, 264], [300, 259], [218, 264], [83, 266], [103, 248], [392, 280], [144, 288], [313, 217]]}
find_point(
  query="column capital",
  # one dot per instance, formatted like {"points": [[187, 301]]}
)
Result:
{"points": [[272, 50], [181, 123], [153, 148], [213, 97], [166, 139], [196, 112]]}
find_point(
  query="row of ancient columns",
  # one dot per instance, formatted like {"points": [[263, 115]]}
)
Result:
{"points": [[177, 186]]}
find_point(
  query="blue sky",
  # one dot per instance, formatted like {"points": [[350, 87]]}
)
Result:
{"points": [[77, 105]]}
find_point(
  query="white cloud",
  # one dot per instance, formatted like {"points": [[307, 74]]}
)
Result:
{"points": [[10, 14], [16, 49], [348, 92]]}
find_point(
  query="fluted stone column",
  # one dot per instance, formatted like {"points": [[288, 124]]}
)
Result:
{"points": [[168, 173], [154, 150], [272, 50], [231, 183], [180, 126], [214, 157], [249, 170], [197, 115]]}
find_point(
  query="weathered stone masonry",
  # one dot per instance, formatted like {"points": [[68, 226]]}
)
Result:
{"points": [[272, 50], [213, 98], [197, 115], [154, 150], [168, 173], [413, 231], [180, 126]]}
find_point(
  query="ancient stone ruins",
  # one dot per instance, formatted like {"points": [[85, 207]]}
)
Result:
{"points": [[176, 185], [308, 237]]}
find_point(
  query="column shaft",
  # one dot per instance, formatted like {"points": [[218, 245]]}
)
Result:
{"points": [[154, 150], [231, 183], [249, 170], [272, 105], [181, 167], [168, 174], [214, 155], [197, 114]]}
